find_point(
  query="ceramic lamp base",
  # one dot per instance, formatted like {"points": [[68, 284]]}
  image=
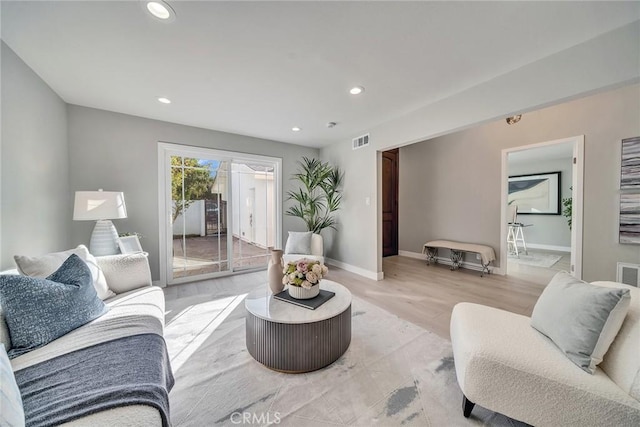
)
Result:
{"points": [[104, 239]]}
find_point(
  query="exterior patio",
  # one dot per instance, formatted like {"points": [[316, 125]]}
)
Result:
{"points": [[209, 254]]}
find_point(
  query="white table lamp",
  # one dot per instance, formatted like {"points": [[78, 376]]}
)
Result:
{"points": [[102, 207]]}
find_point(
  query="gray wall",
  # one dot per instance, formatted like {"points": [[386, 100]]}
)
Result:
{"points": [[549, 230], [36, 200], [120, 152], [611, 60], [450, 186]]}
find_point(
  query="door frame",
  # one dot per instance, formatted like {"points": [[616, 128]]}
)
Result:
{"points": [[165, 150], [577, 194], [395, 209]]}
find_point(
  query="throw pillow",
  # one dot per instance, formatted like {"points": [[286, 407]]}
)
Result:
{"points": [[12, 413], [42, 266], [38, 311], [298, 243], [580, 318]]}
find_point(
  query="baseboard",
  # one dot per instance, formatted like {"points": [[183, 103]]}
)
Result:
{"points": [[447, 261], [410, 254], [357, 270], [549, 247]]}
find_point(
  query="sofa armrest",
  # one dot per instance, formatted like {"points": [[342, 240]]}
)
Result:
{"points": [[126, 272]]}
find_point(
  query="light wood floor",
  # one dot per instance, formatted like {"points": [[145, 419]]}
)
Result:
{"points": [[425, 295], [421, 294], [539, 275]]}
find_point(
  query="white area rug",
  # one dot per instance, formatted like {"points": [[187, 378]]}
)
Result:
{"points": [[535, 259], [394, 373]]}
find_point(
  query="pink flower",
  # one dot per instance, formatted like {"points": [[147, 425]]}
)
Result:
{"points": [[312, 277], [302, 266], [306, 285], [317, 269]]}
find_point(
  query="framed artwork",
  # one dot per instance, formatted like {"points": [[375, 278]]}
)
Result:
{"points": [[630, 164], [630, 218], [129, 244], [537, 194]]}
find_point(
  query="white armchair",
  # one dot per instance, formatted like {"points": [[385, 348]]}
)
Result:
{"points": [[504, 365], [317, 251]]}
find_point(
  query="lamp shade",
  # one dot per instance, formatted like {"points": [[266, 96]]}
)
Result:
{"points": [[97, 205]]}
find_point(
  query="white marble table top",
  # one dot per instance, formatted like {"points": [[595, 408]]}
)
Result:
{"points": [[260, 303]]}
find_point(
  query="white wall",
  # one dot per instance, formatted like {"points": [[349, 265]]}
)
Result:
{"points": [[36, 207], [255, 189], [606, 61], [547, 230], [191, 221], [119, 152]]}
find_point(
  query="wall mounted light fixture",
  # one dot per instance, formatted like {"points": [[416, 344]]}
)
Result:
{"points": [[514, 119]]}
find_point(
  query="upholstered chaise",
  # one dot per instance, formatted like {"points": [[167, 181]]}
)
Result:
{"points": [[505, 365]]}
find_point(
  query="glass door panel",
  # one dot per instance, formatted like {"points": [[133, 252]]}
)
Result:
{"points": [[253, 214], [199, 195]]}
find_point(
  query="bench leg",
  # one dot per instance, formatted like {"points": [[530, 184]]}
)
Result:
{"points": [[467, 406], [432, 255], [485, 269], [456, 259]]}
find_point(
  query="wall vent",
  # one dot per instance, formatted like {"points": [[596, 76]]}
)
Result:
{"points": [[628, 274], [361, 141]]}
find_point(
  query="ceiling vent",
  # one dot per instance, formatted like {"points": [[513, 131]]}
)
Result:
{"points": [[361, 141]]}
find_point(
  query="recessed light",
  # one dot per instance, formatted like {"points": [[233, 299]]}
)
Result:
{"points": [[356, 90], [164, 100], [296, 129], [160, 10]]}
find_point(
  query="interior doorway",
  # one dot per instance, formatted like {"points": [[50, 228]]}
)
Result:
{"points": [[390, 178], [543, 183]]}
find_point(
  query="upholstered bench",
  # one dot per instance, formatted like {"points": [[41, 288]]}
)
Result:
{"points": [[457, 250]]}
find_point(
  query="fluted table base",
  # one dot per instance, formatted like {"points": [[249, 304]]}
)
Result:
{"points": [[298, 347]]}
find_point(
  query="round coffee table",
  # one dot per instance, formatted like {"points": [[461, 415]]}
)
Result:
{"points": [[288, 338]]}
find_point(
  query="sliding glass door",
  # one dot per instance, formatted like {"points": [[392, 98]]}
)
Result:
{"points": [[219, 211]]}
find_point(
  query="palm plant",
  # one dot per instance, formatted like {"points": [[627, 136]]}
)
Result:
{"points": [[319, 195]]}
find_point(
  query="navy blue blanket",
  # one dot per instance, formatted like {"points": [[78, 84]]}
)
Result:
{"points": [[132, 370]]}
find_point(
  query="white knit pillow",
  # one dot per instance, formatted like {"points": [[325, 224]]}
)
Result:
{"points": [[44, 265]]}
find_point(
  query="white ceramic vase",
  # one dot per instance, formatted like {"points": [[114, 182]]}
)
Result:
{"points": [[274, 271], [298, 292]]}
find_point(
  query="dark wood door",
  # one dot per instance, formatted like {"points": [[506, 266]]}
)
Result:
{"points": [[390, 202]]}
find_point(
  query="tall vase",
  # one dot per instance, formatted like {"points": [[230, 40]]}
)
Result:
{"points": [[274, 271]]}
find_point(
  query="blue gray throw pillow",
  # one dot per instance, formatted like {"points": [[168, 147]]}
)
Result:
{"points": [[580, 318], [38, 311]]}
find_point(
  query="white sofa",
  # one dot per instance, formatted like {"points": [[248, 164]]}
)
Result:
{"points": [[505, 365], [317, 251], [137, 308]]}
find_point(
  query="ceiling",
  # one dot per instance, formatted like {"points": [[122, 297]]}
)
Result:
{"points": [[260, 68]]}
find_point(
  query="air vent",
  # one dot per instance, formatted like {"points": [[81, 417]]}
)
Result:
{"points": [[628, 274], [361, 141]]}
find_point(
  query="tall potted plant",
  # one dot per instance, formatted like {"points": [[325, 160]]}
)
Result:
{"points": [[318, 196]]}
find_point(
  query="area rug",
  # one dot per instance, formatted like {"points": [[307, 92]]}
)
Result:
{"points": [[394, 373], [535, 259]]}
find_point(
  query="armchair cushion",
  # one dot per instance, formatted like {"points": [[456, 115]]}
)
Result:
{"points": [[580, 318], [298, 243]]}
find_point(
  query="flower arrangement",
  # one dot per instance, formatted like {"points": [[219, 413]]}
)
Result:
{"points": [[304, 273]]}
